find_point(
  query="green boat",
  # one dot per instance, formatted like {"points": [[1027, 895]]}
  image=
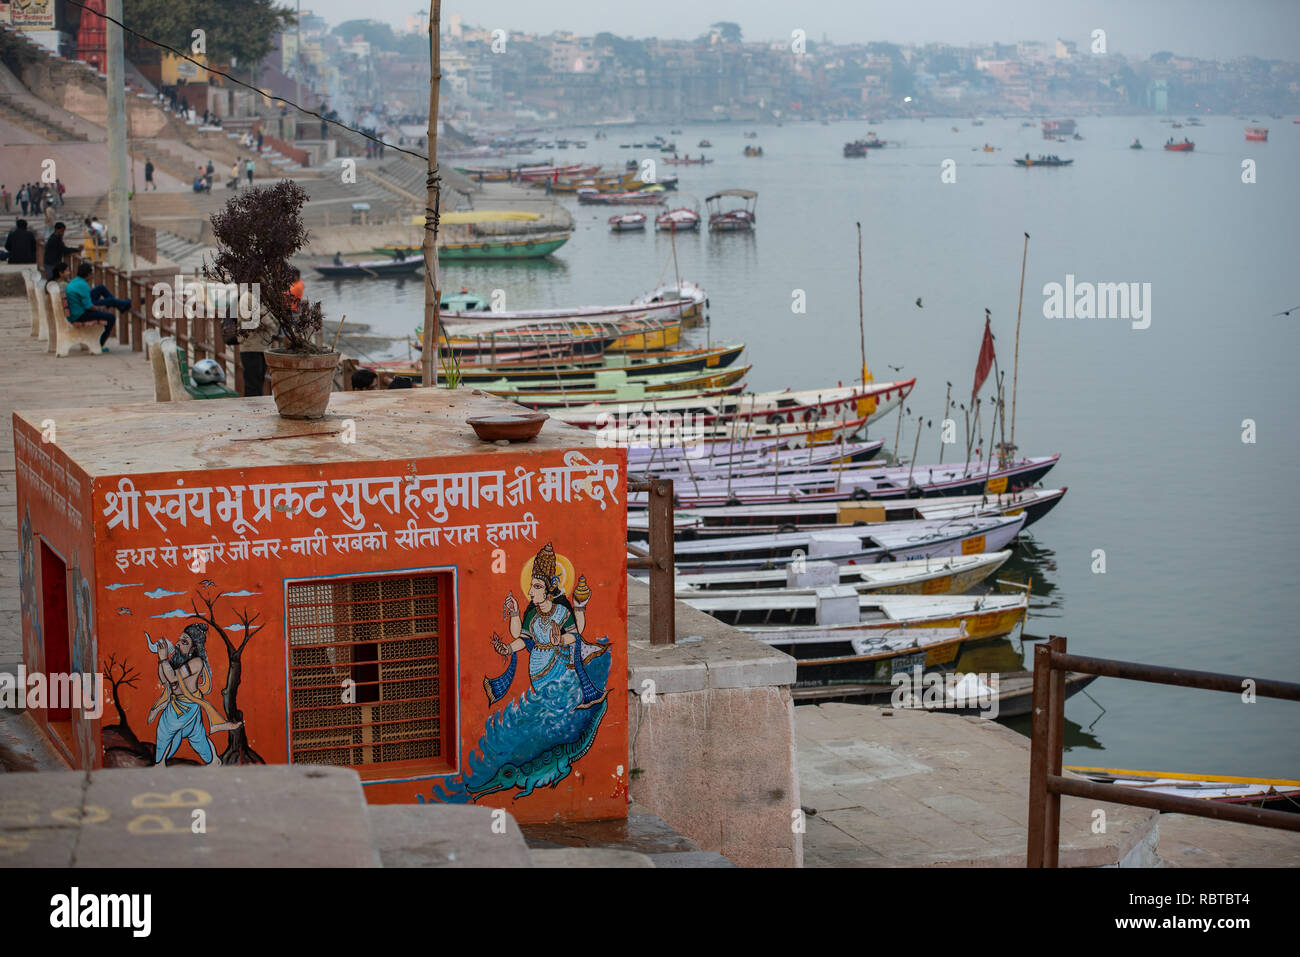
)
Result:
{"points": [[513, 247]]}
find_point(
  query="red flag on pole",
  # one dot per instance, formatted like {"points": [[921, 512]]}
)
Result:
{"points": [[985, 362]]}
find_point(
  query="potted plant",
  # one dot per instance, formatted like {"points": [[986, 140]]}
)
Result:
{"points": [[259, 231]]}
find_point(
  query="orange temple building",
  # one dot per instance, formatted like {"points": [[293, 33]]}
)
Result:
{"points": [[379, 590]]}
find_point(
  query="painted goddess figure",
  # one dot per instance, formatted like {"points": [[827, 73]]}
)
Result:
{"points": [[550, 629]]}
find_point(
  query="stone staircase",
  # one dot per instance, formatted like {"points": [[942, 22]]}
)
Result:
{"points": [[20, 106]]}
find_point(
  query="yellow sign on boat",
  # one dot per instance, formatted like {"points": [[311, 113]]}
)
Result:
{"points": [[973, 546], [466, 216], [996, 486]]}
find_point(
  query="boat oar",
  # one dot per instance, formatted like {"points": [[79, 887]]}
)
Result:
{"points": [[334, 345]]}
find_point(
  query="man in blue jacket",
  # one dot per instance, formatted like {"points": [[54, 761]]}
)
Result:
{"points": [[82, 301]]}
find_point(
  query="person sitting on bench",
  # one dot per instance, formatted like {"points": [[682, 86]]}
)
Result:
{"points": [[82, 300]]}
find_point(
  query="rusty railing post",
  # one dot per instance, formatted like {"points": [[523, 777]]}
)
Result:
{"points": [[140, 307], [1055, 747], [1034, 854], [663, 625]]}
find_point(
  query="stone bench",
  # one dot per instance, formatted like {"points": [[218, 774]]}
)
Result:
{"points": [[72, 334]]}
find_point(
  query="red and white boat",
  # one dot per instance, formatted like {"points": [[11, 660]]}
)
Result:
{"points": [[740, 219], [1258, 134], [680, 220], [871, 402], [627, 222]]}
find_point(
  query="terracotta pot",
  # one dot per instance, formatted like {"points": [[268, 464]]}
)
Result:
{"points": [[301, 384]]}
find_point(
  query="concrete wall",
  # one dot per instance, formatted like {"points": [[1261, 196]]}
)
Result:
{"points": [[711, 737]]}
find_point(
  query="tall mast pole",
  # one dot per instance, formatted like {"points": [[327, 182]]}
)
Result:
{"points": [[1015, 365], [119, 214], [432, 280], [862, 332]]}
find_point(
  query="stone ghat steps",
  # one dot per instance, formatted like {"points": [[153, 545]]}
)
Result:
{"points": [[37, 122], [297, 816]]}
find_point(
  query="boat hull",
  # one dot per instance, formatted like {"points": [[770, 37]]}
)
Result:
{"points": [[517, 248]]}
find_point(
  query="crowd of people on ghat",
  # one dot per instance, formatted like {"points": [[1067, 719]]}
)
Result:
{"points": [[30, 199]]}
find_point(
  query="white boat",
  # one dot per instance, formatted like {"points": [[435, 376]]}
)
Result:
{"points": [[1209, 787], [647, 436], [691, 298], [621, 313], [679, 220], [627, 222], [862, 482], [930, 576], [894, 541], [871, 401], [825, 515], [801, 619]]}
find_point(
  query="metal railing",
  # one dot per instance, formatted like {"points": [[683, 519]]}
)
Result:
{"points": [[199, 338], [1046, 782], [659, 558]]}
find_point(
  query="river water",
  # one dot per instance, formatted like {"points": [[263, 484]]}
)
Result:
{"points": [[1199, 529]]}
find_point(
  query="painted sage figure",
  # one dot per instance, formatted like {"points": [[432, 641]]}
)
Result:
{"points": [[186, 678]]}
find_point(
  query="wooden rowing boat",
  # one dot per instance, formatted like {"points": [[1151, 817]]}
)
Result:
{"points": [[720, 520], [711, 364], [790, 621], [871, 402], [860, 483], [893, 541], [1228, 789], [371, 268], [1014, 694], [528, 246], [952, 575]]}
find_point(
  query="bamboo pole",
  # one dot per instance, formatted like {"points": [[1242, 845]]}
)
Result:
{"points": [[432, 280], [946, 403], [1015, 365], [862, 332]]}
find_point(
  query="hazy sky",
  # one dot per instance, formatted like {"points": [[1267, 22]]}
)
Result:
{"points": [[1205, 28]]}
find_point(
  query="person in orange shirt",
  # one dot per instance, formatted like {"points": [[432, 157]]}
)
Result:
{"points": [[296, 290]]}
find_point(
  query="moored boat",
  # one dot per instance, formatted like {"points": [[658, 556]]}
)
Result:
{"points": [[680, 220], [735, 219], [1186, 146], [642, 197], [923, 576], [1257, 134], [860, 484], [687, 299], [872, 401], [809, 625], [894, 541], [371, 268], [627, 222], [526, 246], [824, 515], [1260, 792], [1011, 697]]}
